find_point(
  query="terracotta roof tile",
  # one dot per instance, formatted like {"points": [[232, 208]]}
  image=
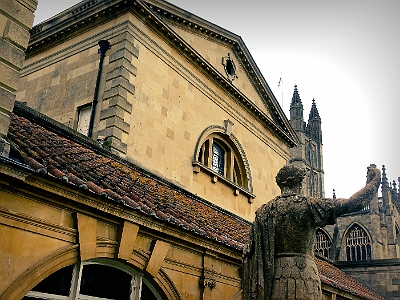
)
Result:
{"points": [[62, 158], [334, 277], [47, 152]]}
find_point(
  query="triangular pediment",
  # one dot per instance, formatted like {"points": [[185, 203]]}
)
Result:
{"points": [[214, 45], [219, 55]]}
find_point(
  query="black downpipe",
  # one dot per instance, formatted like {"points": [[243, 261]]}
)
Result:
{"points": [[104, 46]]}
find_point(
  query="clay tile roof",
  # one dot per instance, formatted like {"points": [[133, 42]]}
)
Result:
{"points": [[332, 276], [50, 153]]}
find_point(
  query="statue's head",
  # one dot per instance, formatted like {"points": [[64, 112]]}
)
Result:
{"points": [[289, 178]]}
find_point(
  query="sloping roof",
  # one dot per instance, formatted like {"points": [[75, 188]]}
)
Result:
{"points": [[121, 182], [332, 276], [54, 150]]}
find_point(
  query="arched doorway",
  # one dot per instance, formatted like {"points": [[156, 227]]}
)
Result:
{"points": [[100, 279]]}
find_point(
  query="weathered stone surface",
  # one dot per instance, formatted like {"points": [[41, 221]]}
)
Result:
{"points": [[279, 259], [16, 35], [12, 54], [19, 12]]}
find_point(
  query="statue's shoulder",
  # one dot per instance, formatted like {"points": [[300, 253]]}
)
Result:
{"points": [[266, 208]]}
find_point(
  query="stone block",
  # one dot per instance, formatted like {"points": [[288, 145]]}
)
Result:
{"points": [[125, 44], [118, 145], [113, 132], [11, 54], [118, 123], [22, 13], [122, 82], [121, 54], [7, 100], [127, 241], [87, 236], [16, 35], [9, 77], [4, 123], [125, 64], [157, 256], [124, 41], [121, 102], [112, 112], [115, 91], [396, 281], [118, 72]]}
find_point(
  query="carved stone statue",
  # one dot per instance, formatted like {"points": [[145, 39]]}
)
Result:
{"points": [[279, 259]]}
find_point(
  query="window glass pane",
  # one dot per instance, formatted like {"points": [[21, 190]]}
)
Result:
{"points": [[218, 159], [84, 119], [105, 282], [58, 283]]}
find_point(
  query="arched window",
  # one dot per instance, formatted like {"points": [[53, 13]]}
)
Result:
{"points": [[94, 280], [358, 244], [221, 156], [322, 243]]}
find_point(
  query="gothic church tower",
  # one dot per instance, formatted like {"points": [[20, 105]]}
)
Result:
{"points": [[308, 153]]}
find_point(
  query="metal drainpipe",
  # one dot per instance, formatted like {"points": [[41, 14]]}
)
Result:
{"points": [[104, 46]]}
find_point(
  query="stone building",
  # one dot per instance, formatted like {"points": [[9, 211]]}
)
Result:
{"points": [[308, 152], [363, 244], [143, 140], [177, 95], [366, 244]]}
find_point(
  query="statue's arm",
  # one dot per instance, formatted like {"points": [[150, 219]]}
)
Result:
{"points": [[363, 196]]}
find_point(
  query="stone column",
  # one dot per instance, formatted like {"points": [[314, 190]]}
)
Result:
{"points": [[16, 19]]}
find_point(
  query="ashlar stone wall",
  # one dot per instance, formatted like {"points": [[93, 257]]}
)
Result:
{"points": [[154, 105]]}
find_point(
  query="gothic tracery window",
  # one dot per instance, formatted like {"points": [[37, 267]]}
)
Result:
{"points": [[322, 243], [358, 244]]}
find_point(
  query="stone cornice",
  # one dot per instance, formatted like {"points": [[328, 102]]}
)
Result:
{"points": [[37, 225], [61, 194], [89, 14]]}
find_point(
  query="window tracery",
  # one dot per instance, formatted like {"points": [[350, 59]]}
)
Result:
{"points": [[322, 243], [358, 244]]}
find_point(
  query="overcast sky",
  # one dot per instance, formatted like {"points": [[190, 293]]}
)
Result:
{"points": [[344, 53]]}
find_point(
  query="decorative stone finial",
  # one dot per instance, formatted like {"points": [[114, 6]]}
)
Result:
{"points": [[385, 183]]}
